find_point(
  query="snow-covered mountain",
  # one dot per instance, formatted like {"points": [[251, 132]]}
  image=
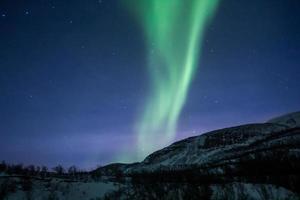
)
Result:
{"points": [[254, 154], [228, 145], [213, 146]]}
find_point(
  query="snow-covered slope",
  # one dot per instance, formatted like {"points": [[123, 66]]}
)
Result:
{"points": [[291, 120], [227, 145]]}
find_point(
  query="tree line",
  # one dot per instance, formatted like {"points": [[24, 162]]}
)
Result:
{"points": [[40, 171]]}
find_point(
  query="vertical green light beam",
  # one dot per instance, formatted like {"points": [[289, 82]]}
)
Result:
{"points": [[174, 30]]}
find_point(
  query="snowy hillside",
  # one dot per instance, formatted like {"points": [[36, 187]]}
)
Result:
{"points": [[221, 146], [212, 146], [291, 120]]}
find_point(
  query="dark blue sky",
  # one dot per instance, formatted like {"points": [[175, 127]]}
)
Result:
{"points": [[73, 76]]}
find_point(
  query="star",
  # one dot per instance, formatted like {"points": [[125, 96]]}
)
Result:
{"points": [[287, 87], [26, 12], [216, 101]]}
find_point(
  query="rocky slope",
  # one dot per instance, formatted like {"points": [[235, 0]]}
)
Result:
{"points": [[229, 145]]}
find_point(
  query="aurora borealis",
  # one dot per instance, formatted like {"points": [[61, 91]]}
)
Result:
{"points": [[174, 32]]}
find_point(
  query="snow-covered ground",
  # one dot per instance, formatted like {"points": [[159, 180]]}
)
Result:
{"points": [[55, 188], [60, 189], [251, 191]]}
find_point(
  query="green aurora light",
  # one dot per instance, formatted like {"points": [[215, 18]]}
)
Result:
{"points": [[174, 31]]}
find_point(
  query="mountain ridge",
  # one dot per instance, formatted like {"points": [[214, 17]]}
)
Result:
{"points": [[222, 145]]}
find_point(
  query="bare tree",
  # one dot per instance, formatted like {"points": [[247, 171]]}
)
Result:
{"points": [[59, 169], [72, 170]]}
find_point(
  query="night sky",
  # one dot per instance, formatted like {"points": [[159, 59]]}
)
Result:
{"points": [[73, 76]]}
